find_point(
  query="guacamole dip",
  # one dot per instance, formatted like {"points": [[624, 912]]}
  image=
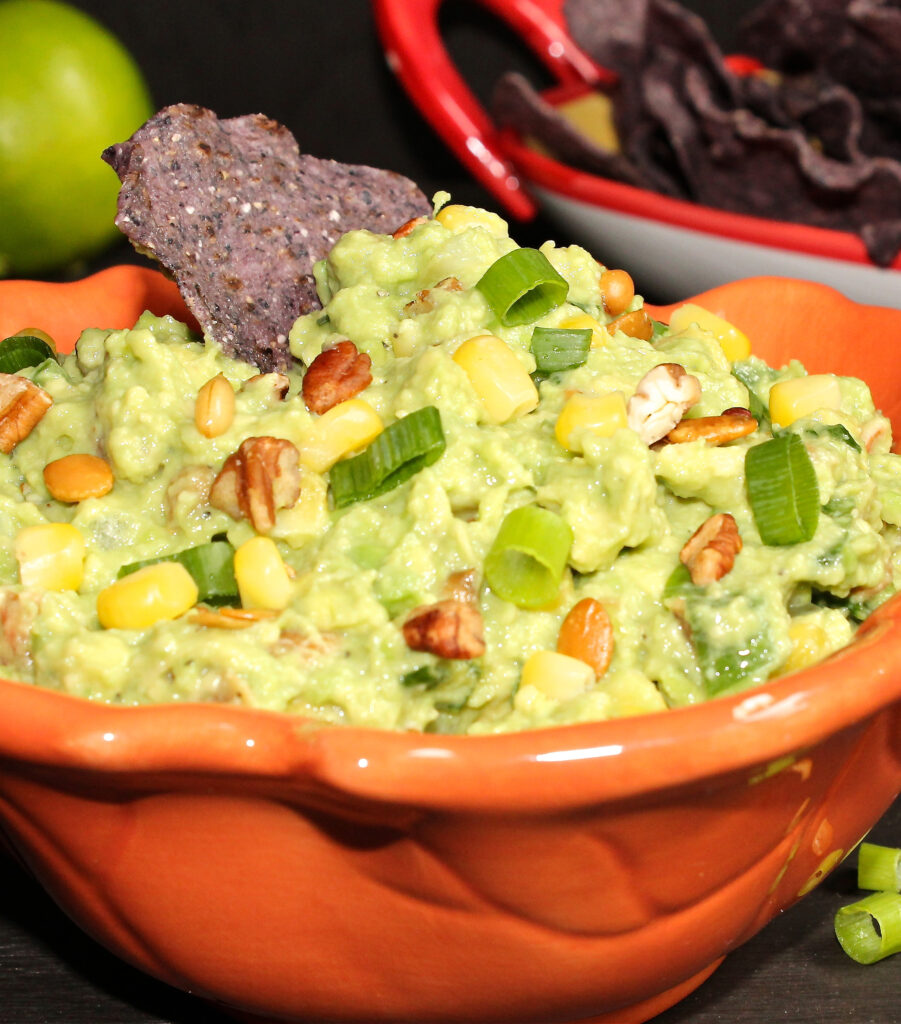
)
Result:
{"points": [[492, 494]]}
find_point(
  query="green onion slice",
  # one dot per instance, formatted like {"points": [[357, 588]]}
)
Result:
{"points": [[526, 561], [879, 867], [782, 489], [522, 286], [559, 348], [400, 451], [23, 350], [870, 929], [211, 565]]}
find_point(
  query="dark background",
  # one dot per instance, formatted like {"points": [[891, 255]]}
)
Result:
{"points": [[315, 65]]}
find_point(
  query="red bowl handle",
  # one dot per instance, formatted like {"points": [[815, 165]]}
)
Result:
{"points": [[416, 54]]}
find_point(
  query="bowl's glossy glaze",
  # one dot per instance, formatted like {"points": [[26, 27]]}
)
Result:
{"points": [[598, 871]]}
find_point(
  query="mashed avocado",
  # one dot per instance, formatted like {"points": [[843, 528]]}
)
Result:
{"points": [[361, 595]]}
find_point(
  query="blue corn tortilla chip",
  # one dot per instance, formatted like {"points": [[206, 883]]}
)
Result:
{"points": [[238, 217], [814, 137]]}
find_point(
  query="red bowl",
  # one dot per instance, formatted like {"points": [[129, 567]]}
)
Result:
{"points": [[292, 871], [622, 225]]}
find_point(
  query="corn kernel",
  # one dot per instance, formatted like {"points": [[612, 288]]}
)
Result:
{"points": [[457, 217], [600, 415], [346, 427], [501, 382], [214, 408], [801, 396], [557, 675], [50, 556], [153, 594], [809, 645], [263, 580], [734, 343], [581, 322]]}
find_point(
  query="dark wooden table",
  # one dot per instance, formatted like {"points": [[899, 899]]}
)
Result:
{"points": [[794, 970]]}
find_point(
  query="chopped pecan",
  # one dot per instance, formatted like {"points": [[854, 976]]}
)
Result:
{"points": [[22, 405], [408, 226], [728, 426], [189, 488], [709, 553], [335, 375], [277, 381], [461, 586], [424, 302], [262, 476], [662, 397], [229, 618], [449, 628]]}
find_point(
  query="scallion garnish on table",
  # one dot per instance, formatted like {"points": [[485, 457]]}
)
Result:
{"points": [[782, 490], [401, 450], [870, 929], [879, 867], [559, 348], [526, 561], [522, 286]]}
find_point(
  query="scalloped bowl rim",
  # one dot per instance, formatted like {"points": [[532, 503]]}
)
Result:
{"points": [[49, 729]]}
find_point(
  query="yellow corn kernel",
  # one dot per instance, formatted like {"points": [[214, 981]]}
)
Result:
{"points": [[263, 580], [600, 415], [810, 643], [801, 396], [214, 408], [458, 218], [346, 427], [581, 322], [153, 594], [500, 380], [557, 675], [735, 343], [50, 556]]}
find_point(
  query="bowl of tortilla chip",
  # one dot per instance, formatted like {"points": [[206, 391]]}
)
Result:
{"points": [[294, 871], [659, 153]]}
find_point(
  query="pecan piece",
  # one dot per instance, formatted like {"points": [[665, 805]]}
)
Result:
{"points": [[22, 405], [262, 476], [424, 301], [408, 226], [709, 553], [449, 628], [338, 373], [728, 426], [662, 397]]}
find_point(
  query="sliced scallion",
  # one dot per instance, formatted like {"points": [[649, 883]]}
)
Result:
{"points": [[870, 929], [400, 451], [526, 561], [23, 350], [782, 489], [879, 867], [211, 565], [522, 286], [560, 348]]}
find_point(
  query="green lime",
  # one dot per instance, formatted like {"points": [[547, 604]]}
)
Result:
{"points": [[68, 89]]}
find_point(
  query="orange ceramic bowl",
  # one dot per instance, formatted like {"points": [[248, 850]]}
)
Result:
{"points": [[291, 871]]}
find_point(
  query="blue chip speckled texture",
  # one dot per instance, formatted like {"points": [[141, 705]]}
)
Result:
{"points": [[238, 217]]}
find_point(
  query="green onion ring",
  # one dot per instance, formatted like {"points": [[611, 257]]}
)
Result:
{"points": [[522, 286], [526, 561], [560, 348]]}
